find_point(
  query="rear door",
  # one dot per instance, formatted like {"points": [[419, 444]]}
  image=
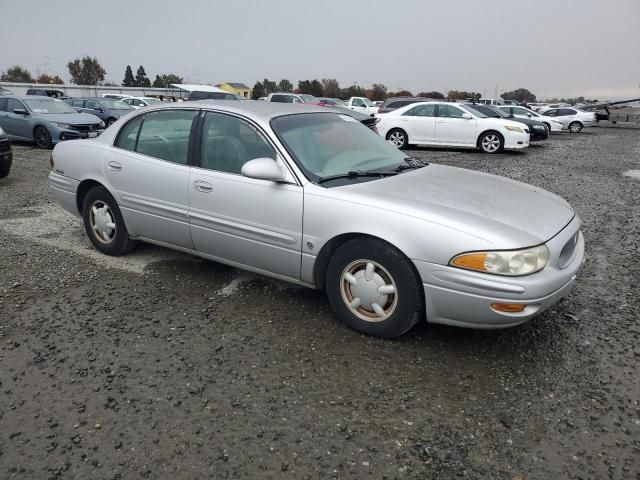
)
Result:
{"points": [[149, 170], [452, 128], [240, 220], [421, 123]]}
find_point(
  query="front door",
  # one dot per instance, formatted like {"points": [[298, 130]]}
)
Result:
{"points": [[149, 171], [16, 125], [240, 220], [452, 128]]}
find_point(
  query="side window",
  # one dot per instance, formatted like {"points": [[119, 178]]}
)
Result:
{"points": [[93, 105], [358, 103], [567, 111], [425, 111], [552, 113], [77, 103], [449, 111], [198, 95], [165, 135], [128, 135], [229, 142], [12, 104], [3, 104], [394, 105]]}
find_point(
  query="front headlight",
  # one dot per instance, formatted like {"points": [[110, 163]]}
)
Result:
{"points": [[511, 263], [514, 129], [64, 126]]}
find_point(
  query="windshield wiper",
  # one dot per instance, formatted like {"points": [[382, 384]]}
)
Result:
{"points": [[356, 174]]}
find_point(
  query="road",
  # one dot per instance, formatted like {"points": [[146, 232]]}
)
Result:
{"points": [[161, 365]]}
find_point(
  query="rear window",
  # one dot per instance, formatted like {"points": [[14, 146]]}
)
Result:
{"points": [[282, 98]]}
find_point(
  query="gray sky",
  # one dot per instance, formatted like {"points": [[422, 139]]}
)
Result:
{"points": [[552, 47]]}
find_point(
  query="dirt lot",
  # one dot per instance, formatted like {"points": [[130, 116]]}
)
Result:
{"points": [[160, 365]]}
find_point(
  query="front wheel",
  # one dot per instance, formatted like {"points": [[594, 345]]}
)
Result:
{"points": [[575, 127], [374, 288], [491, 142], [5, 168], [398, 138], [110, 122], [42, 137]]}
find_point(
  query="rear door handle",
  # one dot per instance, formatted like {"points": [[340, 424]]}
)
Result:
{"points": [[115, 166], [202, 186]]}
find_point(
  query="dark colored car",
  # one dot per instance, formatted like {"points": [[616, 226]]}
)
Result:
{"points": [[537, 130], [106, 109], [48, 92], [392, 103], [366, 120], [213, 96], [6, 155]]}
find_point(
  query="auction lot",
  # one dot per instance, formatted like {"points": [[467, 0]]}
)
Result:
{"points": [[161, 365]]}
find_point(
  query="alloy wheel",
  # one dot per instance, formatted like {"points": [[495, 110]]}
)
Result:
{"points": [[491, 143], [368, 290], [397, 138]]}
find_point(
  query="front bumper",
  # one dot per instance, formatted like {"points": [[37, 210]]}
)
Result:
{"points": [[515, 140], [61, 134], [463, 298], [538, 134]]}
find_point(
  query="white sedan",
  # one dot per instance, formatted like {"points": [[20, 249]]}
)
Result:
{"points": [[572, 119], [139, 102], [553, 124], [452, 125]]}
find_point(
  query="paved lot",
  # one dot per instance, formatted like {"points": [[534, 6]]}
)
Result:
{"points": [[160, 365]]}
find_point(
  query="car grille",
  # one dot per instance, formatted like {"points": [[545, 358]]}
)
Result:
{"points": [[5, 146], [85, 128], [566, 254]]}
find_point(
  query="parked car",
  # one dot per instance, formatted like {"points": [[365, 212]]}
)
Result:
{"points": [[535, 106], [6, 155], [550, 106], [323, 203], [139, 102], [198, 95], [572, 119], [391, 103], [367, 120], [490, 101], [286, 97], [362, 105], [107, 109], [324, 102], [45, 121], [116, 96], [47, 92], [451, 125], [520, 112], [537, 130]]}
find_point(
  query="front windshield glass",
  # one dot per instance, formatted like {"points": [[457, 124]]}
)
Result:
{"points": [[473, 111], [114, 104], [327, 144], [49, 105], [367, 102], [309, 98]]}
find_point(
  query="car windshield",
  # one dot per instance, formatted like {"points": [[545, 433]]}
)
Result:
{"points": [[114, 104], [367, 102], [308, 98], [487, 111], [473, 111], [152, 101], [48, 105], [327, 144]]}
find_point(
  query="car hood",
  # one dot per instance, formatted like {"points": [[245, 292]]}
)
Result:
{"points": [[72, 118], [505, 212]]}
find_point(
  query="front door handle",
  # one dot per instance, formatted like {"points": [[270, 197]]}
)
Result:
{"points": [[115, 166], [202, 186]]}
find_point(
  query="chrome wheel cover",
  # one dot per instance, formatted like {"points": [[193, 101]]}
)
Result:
{"points": [[368, 290], [397, 138], [102, 221], [491, 143], [575, 127]]}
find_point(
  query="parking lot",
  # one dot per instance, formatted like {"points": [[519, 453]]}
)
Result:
{"points": [[162, 365]]}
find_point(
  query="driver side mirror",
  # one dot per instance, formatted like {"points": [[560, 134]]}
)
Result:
{"points": [[263, 169], [20, 111], [467, 116]]}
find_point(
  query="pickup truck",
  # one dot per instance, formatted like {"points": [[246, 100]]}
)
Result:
{"points": [[362, 105], [6, 155]]}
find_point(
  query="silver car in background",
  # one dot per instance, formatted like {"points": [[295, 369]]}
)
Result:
{"points": [[313, 197]]}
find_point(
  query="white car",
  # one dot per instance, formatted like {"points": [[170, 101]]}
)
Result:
{"points": [[139, 102], [452, 125], [553, 125], [551, 106], [572, 119], [362, 105]]}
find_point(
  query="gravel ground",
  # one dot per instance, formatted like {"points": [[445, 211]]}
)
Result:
{"points": [[160, 365]]}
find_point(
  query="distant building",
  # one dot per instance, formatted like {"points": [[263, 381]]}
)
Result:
{"points": [[237, 88]]}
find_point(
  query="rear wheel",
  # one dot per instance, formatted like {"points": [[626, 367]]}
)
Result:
{"points": [[42, 137], [491, 142], [575, 127], [110, 122], [374, 288], [5, 168], [398, 137], [104, 224]]}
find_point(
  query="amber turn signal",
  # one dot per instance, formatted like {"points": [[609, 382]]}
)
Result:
{"points": [[508, 307], [470, 261]]}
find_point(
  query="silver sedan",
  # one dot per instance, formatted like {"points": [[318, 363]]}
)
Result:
{"points": [[313, 197]]}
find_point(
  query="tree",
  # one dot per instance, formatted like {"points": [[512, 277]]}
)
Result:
{"points": [[17, 74], [316, 89], [166, 80], [141, 79], [400, 93], [434, 94], [86, 71], [50, 79], [304, 86], [128, 81], [258, 91], [353, 91], [462, 95], [285, 86], [331, 87], [378, 92], [269, 87], [521, 95]]}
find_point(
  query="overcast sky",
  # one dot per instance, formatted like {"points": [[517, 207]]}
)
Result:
{"points": [[553, 47]]}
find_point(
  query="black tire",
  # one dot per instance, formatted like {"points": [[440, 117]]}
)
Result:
{"points": [[117, 243], [548, 126], [5, 168], [42, 137], [404, 308], [109, 122], [401, 135], [491, 142], [575, 127]]}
